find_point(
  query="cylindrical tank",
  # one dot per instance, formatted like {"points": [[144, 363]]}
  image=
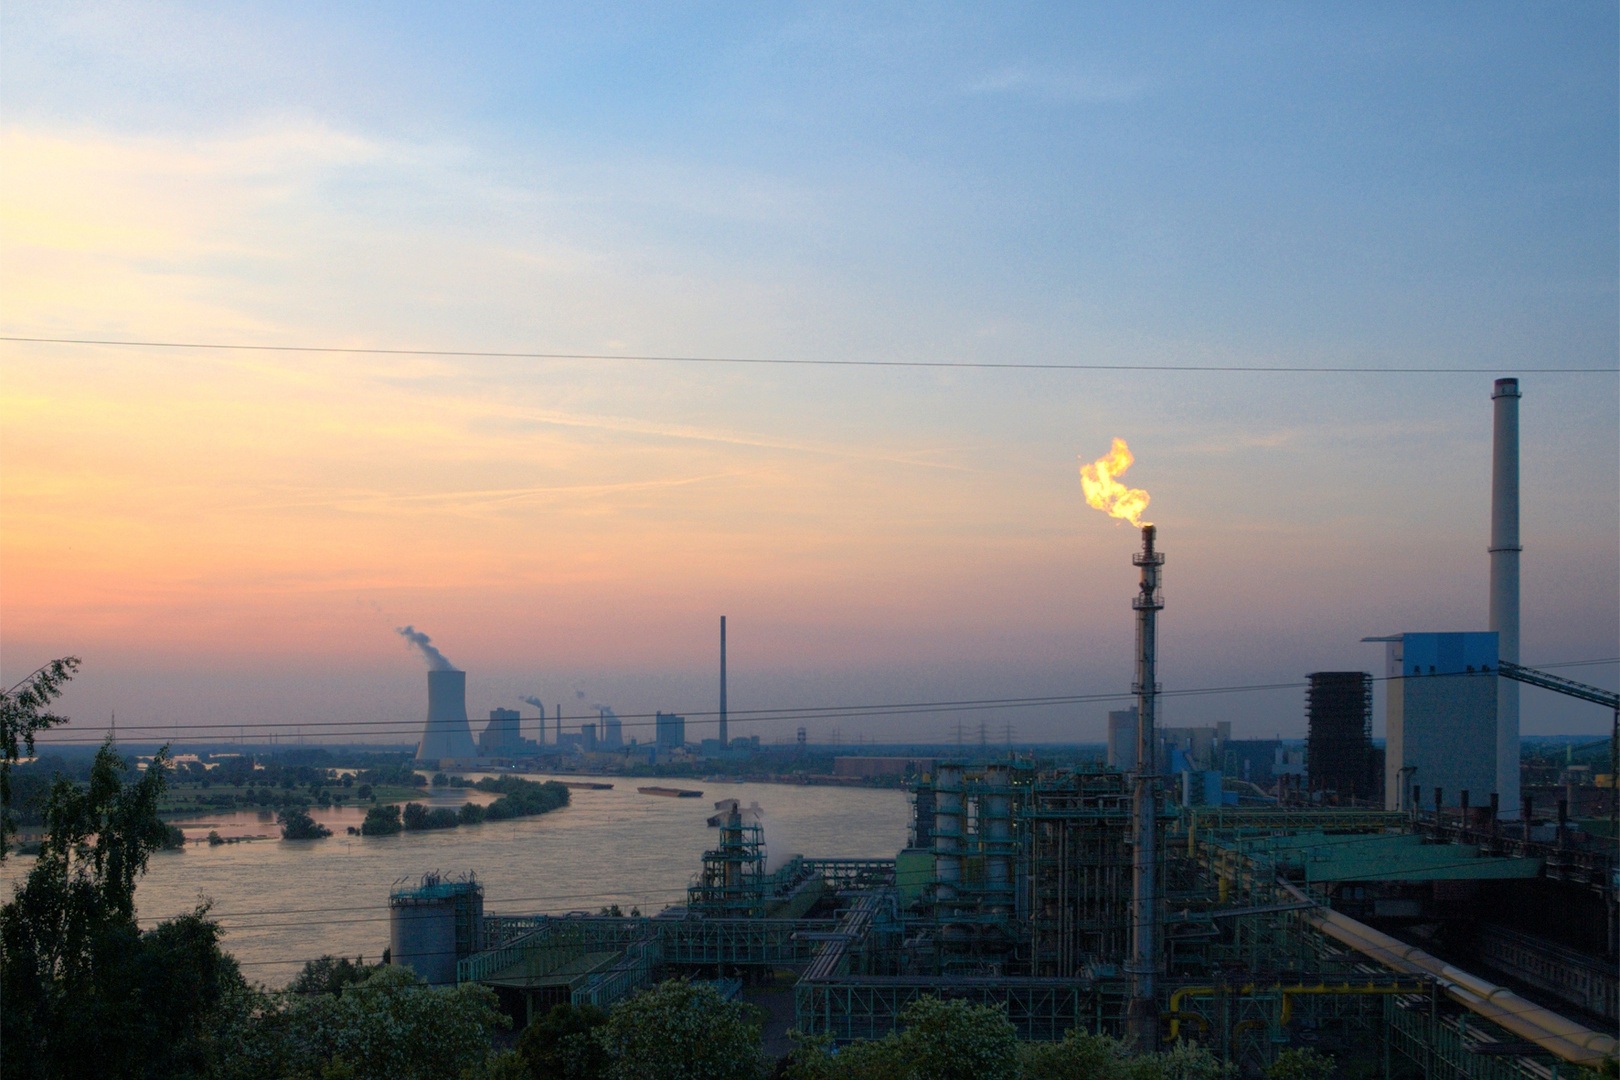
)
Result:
{"points": [[422, 936]]}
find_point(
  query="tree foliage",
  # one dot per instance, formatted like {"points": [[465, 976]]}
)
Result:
{"points": [[565, 1044], [296, 824], [83, 992], [1303, 1064], [389, 1026], [381, 821], [22, 715], [682, 1031]]}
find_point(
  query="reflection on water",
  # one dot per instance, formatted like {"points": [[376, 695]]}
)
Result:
{"points": [[283, 902]]}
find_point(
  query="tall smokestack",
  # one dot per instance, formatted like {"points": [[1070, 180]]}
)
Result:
{"points": [[447, 733], [723, 742], [1143, 1016], [1505, 584]]}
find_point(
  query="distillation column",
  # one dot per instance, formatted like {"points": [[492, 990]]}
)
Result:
{"points": [[1145, 949]]}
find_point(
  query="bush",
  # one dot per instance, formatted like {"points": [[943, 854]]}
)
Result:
{"points": [[298, 825], [1303, 1064], [521, 798], [564, 1044], [381, 821], [1079, 1056], [471, 814], [679, 1030], [363, 791], [418, 817], [174, 838], [940, 1040], [214, 839], [330, 974]]}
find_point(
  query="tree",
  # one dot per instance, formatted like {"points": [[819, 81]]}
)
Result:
{"points": [[1304, 1064], [939, 1040], [381, 821], [330, 974], [391, 1026], [296, 824], [681, 1031], [1183, 1061], [1080, 1056], [83, 992], [564, 1044], [22, 715]]}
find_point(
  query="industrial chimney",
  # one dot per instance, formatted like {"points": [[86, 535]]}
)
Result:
{"points": [[447, 733], [723, 742], [1505, 585], [1143, 1016]]}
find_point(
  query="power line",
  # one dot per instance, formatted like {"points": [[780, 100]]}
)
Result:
{"points": [[977, 365], [829, 712]]}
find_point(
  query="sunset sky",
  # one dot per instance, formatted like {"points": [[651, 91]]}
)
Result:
{"points": [[231, 537]]}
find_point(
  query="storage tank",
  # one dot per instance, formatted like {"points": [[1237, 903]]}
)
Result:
{"points": [[435, 924]]}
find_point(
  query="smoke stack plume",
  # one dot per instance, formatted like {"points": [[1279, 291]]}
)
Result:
{"points": [[536, 702], [436, 660]]}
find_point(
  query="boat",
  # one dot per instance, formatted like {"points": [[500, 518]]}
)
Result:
{"points": [[585, 785], [670, 792]]}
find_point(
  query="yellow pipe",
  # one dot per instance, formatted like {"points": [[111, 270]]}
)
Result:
{"points": [[1288, 992]]}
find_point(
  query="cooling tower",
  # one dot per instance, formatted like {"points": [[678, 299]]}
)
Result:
{"points": [[447, 734]]}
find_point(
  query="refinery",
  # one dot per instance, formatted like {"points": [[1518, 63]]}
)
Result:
{"points": [[1406, 905]]}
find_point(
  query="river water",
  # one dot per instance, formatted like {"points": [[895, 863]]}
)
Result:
{"points": [[284, 902]]}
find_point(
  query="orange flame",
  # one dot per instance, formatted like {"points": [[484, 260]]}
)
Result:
{"points": [[1108, 494]]}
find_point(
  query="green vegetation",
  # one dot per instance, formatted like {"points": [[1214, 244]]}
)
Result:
{"points": [[298, 825], [381, 821], [1303, 1064], [678, 1030], [22, 716], [521, 798], [565, 1044], [418, 817]]}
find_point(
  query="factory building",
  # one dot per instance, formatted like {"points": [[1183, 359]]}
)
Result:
{"points": [[1339, 750], [1440, 719], [670, 731], [501, 738], [1122, 739]]}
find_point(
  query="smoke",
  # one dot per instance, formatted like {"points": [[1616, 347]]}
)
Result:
{"points": [[605, 710], [436, 660], [778, 844], [536, 702]]}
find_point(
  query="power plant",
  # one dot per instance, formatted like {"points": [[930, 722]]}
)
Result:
{"points": [[1380, 926], [446, 733]]}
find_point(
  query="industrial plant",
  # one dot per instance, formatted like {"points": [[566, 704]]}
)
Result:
{"points": [[1405, 907]]}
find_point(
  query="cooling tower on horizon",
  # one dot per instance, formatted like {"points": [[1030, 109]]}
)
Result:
{"points": [[447, 733]]}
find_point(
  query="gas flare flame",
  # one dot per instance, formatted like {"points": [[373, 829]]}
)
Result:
{"points": [[1106, 493]]}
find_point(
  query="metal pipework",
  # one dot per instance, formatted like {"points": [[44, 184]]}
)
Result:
{"points": [[1145, 915], [1505, 549]]}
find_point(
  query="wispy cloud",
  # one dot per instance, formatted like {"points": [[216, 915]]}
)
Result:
{"points": [[1060, 85]]}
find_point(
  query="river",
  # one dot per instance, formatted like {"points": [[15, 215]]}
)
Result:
{"points": [[284, 902]]}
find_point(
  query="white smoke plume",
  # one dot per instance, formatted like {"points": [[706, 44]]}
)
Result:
{"points": [[536, 702], [778, 844], [436, 660]]}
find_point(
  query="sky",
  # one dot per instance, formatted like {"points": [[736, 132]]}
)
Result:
{"points": [[229, 538]]}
